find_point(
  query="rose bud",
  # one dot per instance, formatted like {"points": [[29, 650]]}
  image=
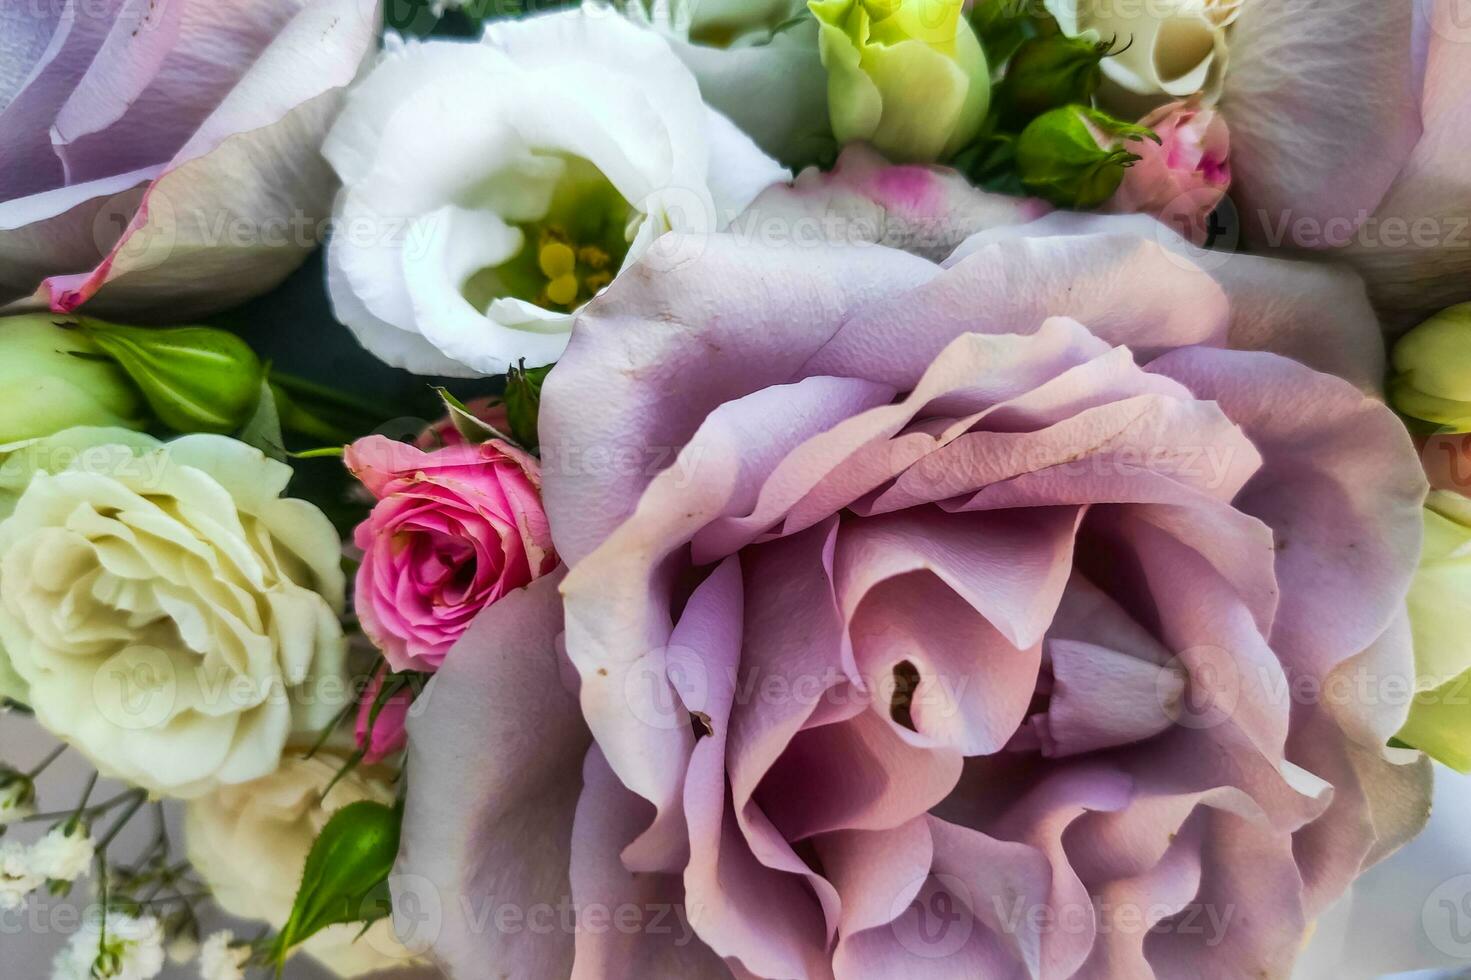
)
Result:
{"points": [[1075, 156], [1432, 366], [52, 378], [1181, 179], [908, 76], [1049, 72], [195, 379]]}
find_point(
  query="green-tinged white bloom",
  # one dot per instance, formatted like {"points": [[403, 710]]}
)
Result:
{"points": [[491, 189], [1165, 48], [1440, 608], [171, 615], [757, 63], [1432, 366], [117, 948], [908, 76], [220, 960], [250, 845], [52, 378], [64, 854], [17, 878]]}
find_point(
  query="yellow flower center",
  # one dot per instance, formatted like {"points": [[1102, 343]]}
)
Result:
{"points": [[574, 272]]}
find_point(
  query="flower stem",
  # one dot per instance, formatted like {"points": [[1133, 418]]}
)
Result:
{"points": [[51, 757]]}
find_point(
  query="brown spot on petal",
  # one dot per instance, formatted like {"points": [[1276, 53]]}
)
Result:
{"points": [[906, 679], [700, 722]]}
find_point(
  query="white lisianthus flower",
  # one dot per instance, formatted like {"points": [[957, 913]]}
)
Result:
{"points": [[219, 960], [1164, 48], [117, 947], [172, 616], [63, 855], [757, 61], [17, 878], [492, 188], [250, 844]]}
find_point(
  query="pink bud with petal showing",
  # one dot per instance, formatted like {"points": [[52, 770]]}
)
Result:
{"points": [[1181, 179], [384, 736]]}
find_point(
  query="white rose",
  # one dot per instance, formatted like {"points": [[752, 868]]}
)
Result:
{"points": [[491, 188], [250, 845], [1173, 48], [171, 615]]}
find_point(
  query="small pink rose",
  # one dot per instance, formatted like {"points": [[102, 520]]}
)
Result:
{"points": [[453, 531], [384, 736], [1181, 179]]}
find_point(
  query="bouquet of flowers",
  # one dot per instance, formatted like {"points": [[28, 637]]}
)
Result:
{"points": [[759, 489]]}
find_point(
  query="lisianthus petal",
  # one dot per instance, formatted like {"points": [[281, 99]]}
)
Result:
{"points": [[1125, 290], [863, 198], [1323, 113], [1352, 448], [738, 170], [776, 91], [799, 307], [507, 692], [1417, 259], [610, 944], [974, 686], [50, 56], [269, 175], [147, 90]]}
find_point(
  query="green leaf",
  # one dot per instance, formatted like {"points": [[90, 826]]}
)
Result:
{"points": [[471, 427], [195, 379], [263, 430], [523, 402], [346, 875]]}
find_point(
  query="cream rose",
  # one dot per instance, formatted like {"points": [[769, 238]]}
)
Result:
{"points": [[250, 844], [1172, 48], [168, 612]]}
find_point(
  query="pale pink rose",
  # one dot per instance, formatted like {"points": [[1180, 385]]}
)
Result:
{"points": [[453, 531], [953, 635], [1182, 178], [162, 157], [386, 736]]}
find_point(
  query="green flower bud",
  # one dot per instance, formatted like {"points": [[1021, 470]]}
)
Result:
{"points": [[908, 76], [196, 379], [17, 796], [52, 378], [1049, 72], [1432, 366], [1439, 603], [1075, 156], [523, 403]]}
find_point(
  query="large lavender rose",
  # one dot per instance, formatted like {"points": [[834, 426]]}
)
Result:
{"points": [[991, 619], [164, 156]]}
